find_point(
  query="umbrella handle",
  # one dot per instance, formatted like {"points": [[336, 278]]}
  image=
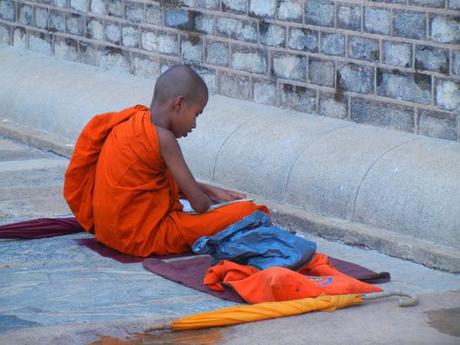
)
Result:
{"points": [[410, 299]]}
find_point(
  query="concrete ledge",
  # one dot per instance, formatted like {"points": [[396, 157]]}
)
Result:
{"points": [[370, 178]]}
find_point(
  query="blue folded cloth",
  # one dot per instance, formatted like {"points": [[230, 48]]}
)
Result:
{"points": [[255, 241]]}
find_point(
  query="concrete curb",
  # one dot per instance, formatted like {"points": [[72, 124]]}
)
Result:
{"points": [[368, 178]]}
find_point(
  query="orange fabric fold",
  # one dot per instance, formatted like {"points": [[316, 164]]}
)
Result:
{"points": [[119, 187], [281, 284]]}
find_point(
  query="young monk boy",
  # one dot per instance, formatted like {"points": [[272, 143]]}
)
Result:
{"points": [[127, 173]]}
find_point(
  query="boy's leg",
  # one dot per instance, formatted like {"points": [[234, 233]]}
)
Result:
{"points": [[180, 230]]}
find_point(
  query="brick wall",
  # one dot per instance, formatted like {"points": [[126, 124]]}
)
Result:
{"points": [[390, 63]]}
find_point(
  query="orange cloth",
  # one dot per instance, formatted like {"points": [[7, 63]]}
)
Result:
{"points": [[281, 284], [119, 187]]}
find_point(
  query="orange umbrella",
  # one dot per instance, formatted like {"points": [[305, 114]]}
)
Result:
{"points": [[270, 310]]}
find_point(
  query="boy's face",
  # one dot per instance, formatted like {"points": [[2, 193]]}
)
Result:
{"points": [[184, 119]]}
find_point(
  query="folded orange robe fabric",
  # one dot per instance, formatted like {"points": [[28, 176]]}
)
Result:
{"points": [[119, 187], [281, 284]]}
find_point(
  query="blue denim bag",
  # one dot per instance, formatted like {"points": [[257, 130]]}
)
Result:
{"points": [[256, 242]]}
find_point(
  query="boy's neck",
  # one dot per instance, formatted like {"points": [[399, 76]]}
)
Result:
{"points": [[159, 116]]}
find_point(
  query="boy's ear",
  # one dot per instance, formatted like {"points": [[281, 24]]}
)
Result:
{"points": [[178, 102]]}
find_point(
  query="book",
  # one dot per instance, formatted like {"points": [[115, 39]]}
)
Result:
{"points": [[188, 208]]}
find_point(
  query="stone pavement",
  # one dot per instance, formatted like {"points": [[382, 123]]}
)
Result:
{"points": [[55, 292]]}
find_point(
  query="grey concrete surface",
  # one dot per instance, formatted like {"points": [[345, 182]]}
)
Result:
{"points": [[53, 291], [382, 179]]}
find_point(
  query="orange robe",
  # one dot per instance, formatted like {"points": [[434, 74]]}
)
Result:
{"points": [[119, 188], [276, 284]]}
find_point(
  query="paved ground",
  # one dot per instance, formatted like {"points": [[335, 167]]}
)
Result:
{"points": [[55, 292]]}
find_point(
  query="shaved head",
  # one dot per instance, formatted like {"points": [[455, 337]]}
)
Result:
{"points": [[179, 80]]}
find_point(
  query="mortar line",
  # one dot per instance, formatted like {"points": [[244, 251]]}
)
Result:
{"points": [[369, 169], [305, 150]]}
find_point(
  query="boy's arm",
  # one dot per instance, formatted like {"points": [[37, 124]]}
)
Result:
{"points": [[172, 155], [218, 194]]}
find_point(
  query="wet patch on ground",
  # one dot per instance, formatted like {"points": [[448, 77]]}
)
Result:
{"points": [[446, 321], [202, 337]]}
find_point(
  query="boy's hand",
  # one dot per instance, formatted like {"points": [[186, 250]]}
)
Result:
{"points": [[218, 195]]}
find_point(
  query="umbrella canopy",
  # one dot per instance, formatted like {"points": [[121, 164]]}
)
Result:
{"points": [[262, 311]]}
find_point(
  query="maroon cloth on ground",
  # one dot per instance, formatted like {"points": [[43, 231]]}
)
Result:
{"points": [[190, 272], [359, 272], [107, 252], [40, 228]]}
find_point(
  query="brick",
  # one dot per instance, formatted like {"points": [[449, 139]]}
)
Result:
{"points": [[348, 17], [332, 43], [377, 20], [329, 106], [397, 53], [61, 3], [130, 36], [153, 14], [145, 66], [249, 59], [262, 8], [114, 8], [203, 23], [355, 78], [237, 29], [7, 10], [431, 59], [445, 29], [428, 3], [95, 29], [321, 72], [159, 41], [272, 34], [209, 4], [41, 43], [264, 92], [114, 59], [88, 53], [319, 12], [392, 1], [25, 14], [409, 24], [363, 48], [79, 5], [289, 66], [113, 32], [453, 4], [179, 18], [41, 17], [382, 114], [66, 49], [134, 11], [235, 86], [75, 24], [20, 38], [4, 34], [447, 94], [192, 49], [217, 53], [437, 124], [290, 10], [456, 62], [209, 77], [298, 98], [97, 6], [56, 21], [412, 87], [235, 6], [303, 39]]}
